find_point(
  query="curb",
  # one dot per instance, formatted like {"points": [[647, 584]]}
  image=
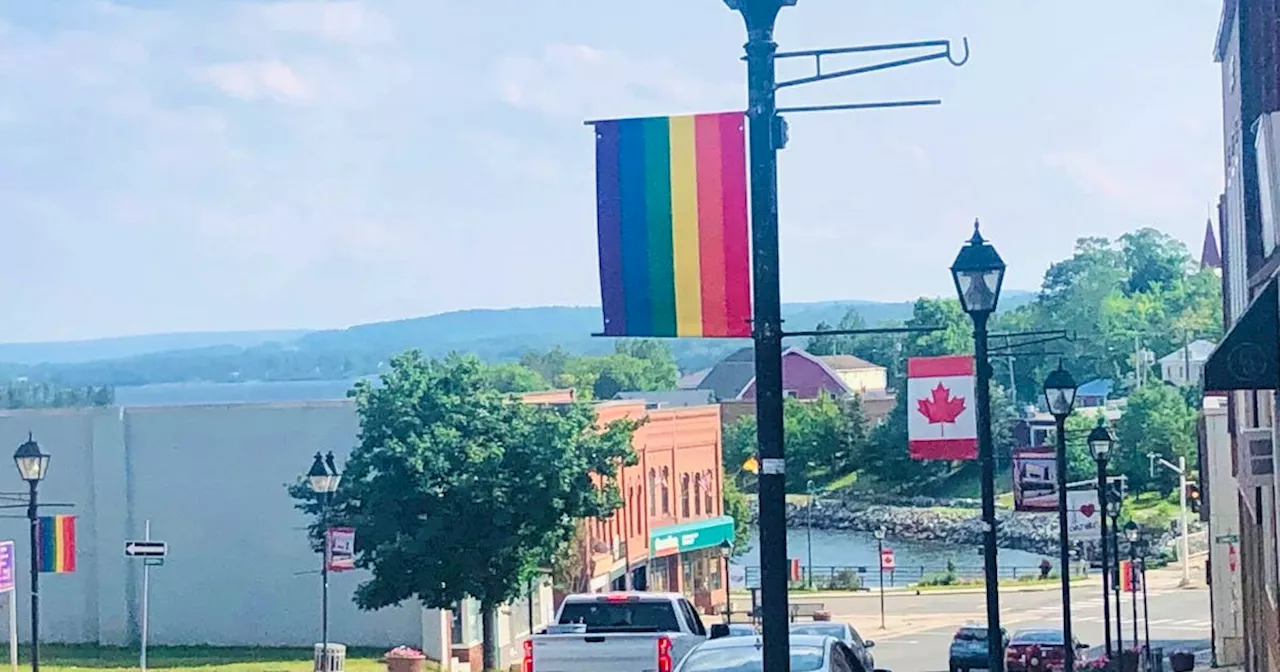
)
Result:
{"points": [[911, 592]]}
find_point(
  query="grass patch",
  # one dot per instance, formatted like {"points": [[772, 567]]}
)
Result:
{"points": [[87, 657], [1004, 583]]}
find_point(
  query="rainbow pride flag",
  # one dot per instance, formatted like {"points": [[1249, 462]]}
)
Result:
{"points": [[56, 547], [671, 209]]}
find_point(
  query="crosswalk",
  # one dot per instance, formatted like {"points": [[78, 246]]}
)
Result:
{"points": [[1090, 611]]}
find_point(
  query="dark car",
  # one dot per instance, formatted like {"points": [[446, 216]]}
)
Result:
{"points": [[969, 648], [846, 634], [745, 654], [1039, 649]]}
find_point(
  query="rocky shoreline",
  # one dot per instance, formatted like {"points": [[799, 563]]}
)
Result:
{"points": [[953, 522]]}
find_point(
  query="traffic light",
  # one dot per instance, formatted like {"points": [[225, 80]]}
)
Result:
{"points": [[1193, 497]]}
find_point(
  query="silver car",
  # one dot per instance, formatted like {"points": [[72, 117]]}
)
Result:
{"points": [[845, 633], [809, 653]]}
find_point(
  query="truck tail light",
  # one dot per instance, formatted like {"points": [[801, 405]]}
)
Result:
{"points": [[664, 655], [527, 665]]}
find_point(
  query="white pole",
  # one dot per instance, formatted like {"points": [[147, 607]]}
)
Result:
{"points": [[146, 599], [1182, 504], [13, 629]]}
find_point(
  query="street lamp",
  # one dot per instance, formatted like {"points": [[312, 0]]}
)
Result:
{"points": [[880, 533], [1100, 442], [726, 551], [1114, 504], [1060, 397], [978, 273], [324, 478], [33, 464], [808, 532], [1131, 534], [1146, 610]]}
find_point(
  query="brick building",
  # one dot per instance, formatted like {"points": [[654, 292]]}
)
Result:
{"points": [[668, 534], [1246, 365]]}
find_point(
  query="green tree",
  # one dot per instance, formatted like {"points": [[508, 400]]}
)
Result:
{"points": [[439, 444], [735, 505], [954, 337], [514, 378], [1156, 420]]}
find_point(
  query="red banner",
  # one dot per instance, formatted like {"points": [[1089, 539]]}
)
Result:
{"points": [[940, 408]]}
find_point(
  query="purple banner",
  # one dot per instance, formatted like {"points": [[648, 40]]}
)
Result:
{"points": [[6, 566]]}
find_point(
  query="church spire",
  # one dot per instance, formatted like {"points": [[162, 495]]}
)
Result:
{"points": [[1209, 255]]}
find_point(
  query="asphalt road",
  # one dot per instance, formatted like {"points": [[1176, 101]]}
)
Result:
{"points": [[918, 628]]}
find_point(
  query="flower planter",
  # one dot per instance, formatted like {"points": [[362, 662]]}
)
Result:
{"points": [[405, 659], [1182, 661], [1130, 661], [821, 615]]}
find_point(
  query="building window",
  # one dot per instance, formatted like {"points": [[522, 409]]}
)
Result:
{"points": [[710, 491], [627, 509], [684, 495], [666, 492], [653, 493], [697, 495]]}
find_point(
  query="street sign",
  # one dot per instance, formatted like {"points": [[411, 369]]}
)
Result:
{"points": [[887, 561], [146, 549], [1227, 539]]}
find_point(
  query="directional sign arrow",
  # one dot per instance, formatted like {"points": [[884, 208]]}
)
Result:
{"points": [[146, 549]]}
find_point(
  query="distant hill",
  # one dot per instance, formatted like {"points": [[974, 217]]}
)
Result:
{"points": [[69, 352], [345, 354]]}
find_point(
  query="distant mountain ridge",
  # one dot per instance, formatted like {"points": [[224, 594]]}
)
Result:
{"points": [[343, 354]]}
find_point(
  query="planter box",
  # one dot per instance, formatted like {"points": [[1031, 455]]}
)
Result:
{"points": [[1182, 661]]}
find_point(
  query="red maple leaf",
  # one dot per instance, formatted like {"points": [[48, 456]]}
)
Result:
{"points": [[940, 406]]}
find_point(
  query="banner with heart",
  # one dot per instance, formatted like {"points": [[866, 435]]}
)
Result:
{"points": [[1083, 515]]}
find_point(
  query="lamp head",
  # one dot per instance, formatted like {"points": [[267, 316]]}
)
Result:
{"points": [[726, 548], [1060, 392], [1100, 440], [978, 273], [1131, 531], [32, 462], [322, 481]]}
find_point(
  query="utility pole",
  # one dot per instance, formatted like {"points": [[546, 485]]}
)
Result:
{"points": [[1138, 376], [1184, 548], [1186, 355]]}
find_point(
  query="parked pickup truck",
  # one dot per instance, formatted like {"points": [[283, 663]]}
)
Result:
{"points": [[616, 632]]}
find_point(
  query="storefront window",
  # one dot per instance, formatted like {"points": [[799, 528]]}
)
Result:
{"points": [[658, 579]]}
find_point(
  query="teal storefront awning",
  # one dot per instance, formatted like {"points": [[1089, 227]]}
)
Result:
{"points": [[1247, 358], [691, 536]]}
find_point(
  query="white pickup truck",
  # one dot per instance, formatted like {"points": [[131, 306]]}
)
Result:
{"points": [[616, 632]]}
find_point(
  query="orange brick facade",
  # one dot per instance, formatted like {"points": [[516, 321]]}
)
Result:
{"points": [[677, 479]]}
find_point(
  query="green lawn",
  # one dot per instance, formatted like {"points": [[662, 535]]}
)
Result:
{"points": [[77, 657]]}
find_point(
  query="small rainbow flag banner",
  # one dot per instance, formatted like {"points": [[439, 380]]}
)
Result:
{"points": [[671, 209], [56, 550]]}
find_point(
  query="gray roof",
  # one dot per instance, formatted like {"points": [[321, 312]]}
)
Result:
{"points": [[690, 381], [1199, 351], [671, 398], [728, 378]]}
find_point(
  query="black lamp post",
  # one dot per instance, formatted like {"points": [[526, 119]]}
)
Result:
{"points": [[1100, 442], [1060, 397], [978, 273], [1113, 508], [808, 533], [1146, 613], [880, 534], [1131, 534], [765, 132], [726, 552], [324, 478], [33, 464]]}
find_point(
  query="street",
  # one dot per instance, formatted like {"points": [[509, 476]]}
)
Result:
{"points": [[919, 627]]}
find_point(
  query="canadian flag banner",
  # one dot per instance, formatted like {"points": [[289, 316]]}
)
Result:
{"points": [[941, 422]]}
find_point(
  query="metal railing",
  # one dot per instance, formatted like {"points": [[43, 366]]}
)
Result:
{"points": [[854, 577]]}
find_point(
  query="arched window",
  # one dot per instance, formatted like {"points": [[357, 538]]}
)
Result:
{"points": [[628, 509], [709, 492], [666, 492], [653, 492], [684, 495], [697, 494]]}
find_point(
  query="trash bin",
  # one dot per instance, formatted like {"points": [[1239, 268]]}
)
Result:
{"points": [[336, 660]]}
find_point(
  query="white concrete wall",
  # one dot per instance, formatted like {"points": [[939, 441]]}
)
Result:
{"points": [[1224, 521], [211, 479]]}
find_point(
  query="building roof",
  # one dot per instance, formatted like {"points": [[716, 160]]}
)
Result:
{"points": [[1098, 387], [731, 375], [1199, 351], [1209, 255], [691, 381], [670, 398], [847, 363]]}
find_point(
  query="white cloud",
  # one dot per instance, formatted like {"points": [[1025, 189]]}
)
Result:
{"points": [[348, 22], [580, 81], [258, 80]]}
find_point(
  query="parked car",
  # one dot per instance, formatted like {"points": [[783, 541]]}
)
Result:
{"points": [[1038, 649], [618, 632], [742, 630], [969, 648], [809, 653], [846, 634]]}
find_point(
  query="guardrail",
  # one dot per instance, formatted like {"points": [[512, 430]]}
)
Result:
{"points": [[862, 577]]}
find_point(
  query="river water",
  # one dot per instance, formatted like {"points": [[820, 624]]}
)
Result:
{"points": [[844, 548]]}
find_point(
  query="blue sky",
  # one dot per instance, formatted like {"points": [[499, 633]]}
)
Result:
{"points": [[210, 164]]}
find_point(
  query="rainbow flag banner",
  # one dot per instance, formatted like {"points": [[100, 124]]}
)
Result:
{"points": [[56, 550], [671, 209]]}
